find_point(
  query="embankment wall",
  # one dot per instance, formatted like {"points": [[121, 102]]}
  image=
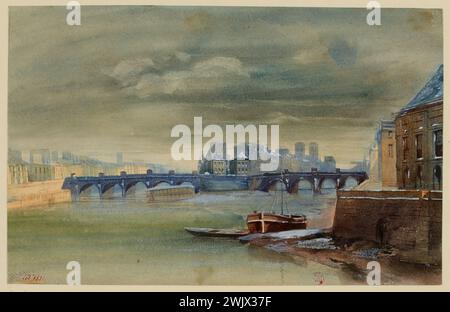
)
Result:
{"points": [[411, 221], [36, 194]]}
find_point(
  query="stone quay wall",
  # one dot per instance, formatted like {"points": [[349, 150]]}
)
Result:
{"points": [[408, 220], [36, 194]]}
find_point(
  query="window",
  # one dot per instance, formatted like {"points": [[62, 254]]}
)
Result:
{"points": [[437, 140], [405, 148], [390, 134], [419, 177], [391, 150], [419, 138], [437, 177]]}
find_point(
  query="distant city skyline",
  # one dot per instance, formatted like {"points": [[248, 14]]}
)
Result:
{"points": [[127, 75], [40, 156], [48, 155]]}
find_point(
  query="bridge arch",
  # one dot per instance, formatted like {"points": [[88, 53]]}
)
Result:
{"points": [[89, 190], [135, 187], [328, 183], [273, 183], [305, 184], [111, 190], [300, 183], [160, 183], [86, 186], [278, 186], [350, 182], [108, 186]]}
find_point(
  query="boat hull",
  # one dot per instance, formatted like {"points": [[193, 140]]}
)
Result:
{"points": [[261, 222], [232, 233]]}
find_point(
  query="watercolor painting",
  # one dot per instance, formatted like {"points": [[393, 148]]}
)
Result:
{"points": [[201, 145]]}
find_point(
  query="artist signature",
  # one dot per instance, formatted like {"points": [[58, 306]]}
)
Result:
{"points": [[26, 278], [319, 279]]}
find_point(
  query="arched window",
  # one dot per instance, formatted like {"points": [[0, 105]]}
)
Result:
{"points": [[437, 140], [419, 177], [437, 177]]}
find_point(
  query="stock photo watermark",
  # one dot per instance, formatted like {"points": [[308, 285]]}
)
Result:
{"points": [[73, 278], [374, 16], [213, 149], [73, 17], [374, 276]]}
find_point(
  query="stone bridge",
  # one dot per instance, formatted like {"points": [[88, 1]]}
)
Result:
{"points": [[290, 180], [263, 182], [126, 181]]}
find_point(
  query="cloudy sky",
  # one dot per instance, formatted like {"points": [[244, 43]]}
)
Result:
{"points": [[127, 75]]}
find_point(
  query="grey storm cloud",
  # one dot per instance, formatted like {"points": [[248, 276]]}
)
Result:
{"points": [[128, 74], [143, 79], [342, 53]]}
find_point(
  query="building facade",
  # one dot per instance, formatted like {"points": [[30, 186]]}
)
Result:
{"points": [[374, 163], [40, 156], [300, 151], [328, 164], [17, 173], [387, 153], [131, 168], [240, 166], [39, 172], [419, 138], [382, 156], [314, 152], [217, 167]]}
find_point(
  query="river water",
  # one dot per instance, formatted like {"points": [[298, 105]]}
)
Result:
{"points": [[134, 242]]}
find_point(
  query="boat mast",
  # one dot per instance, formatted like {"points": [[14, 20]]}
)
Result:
{"points": [[282, 197]]}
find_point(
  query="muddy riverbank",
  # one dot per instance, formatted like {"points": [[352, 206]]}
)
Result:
{"points": [[350, 257]]}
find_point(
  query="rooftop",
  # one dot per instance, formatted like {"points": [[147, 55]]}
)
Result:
{"points": [[431, 92]]}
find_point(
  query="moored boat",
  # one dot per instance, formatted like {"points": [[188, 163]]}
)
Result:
{"points": [[232, 233], [264, 222]]}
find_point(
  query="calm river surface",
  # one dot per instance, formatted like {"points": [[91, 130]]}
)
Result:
{"points": [[136, 242]]}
